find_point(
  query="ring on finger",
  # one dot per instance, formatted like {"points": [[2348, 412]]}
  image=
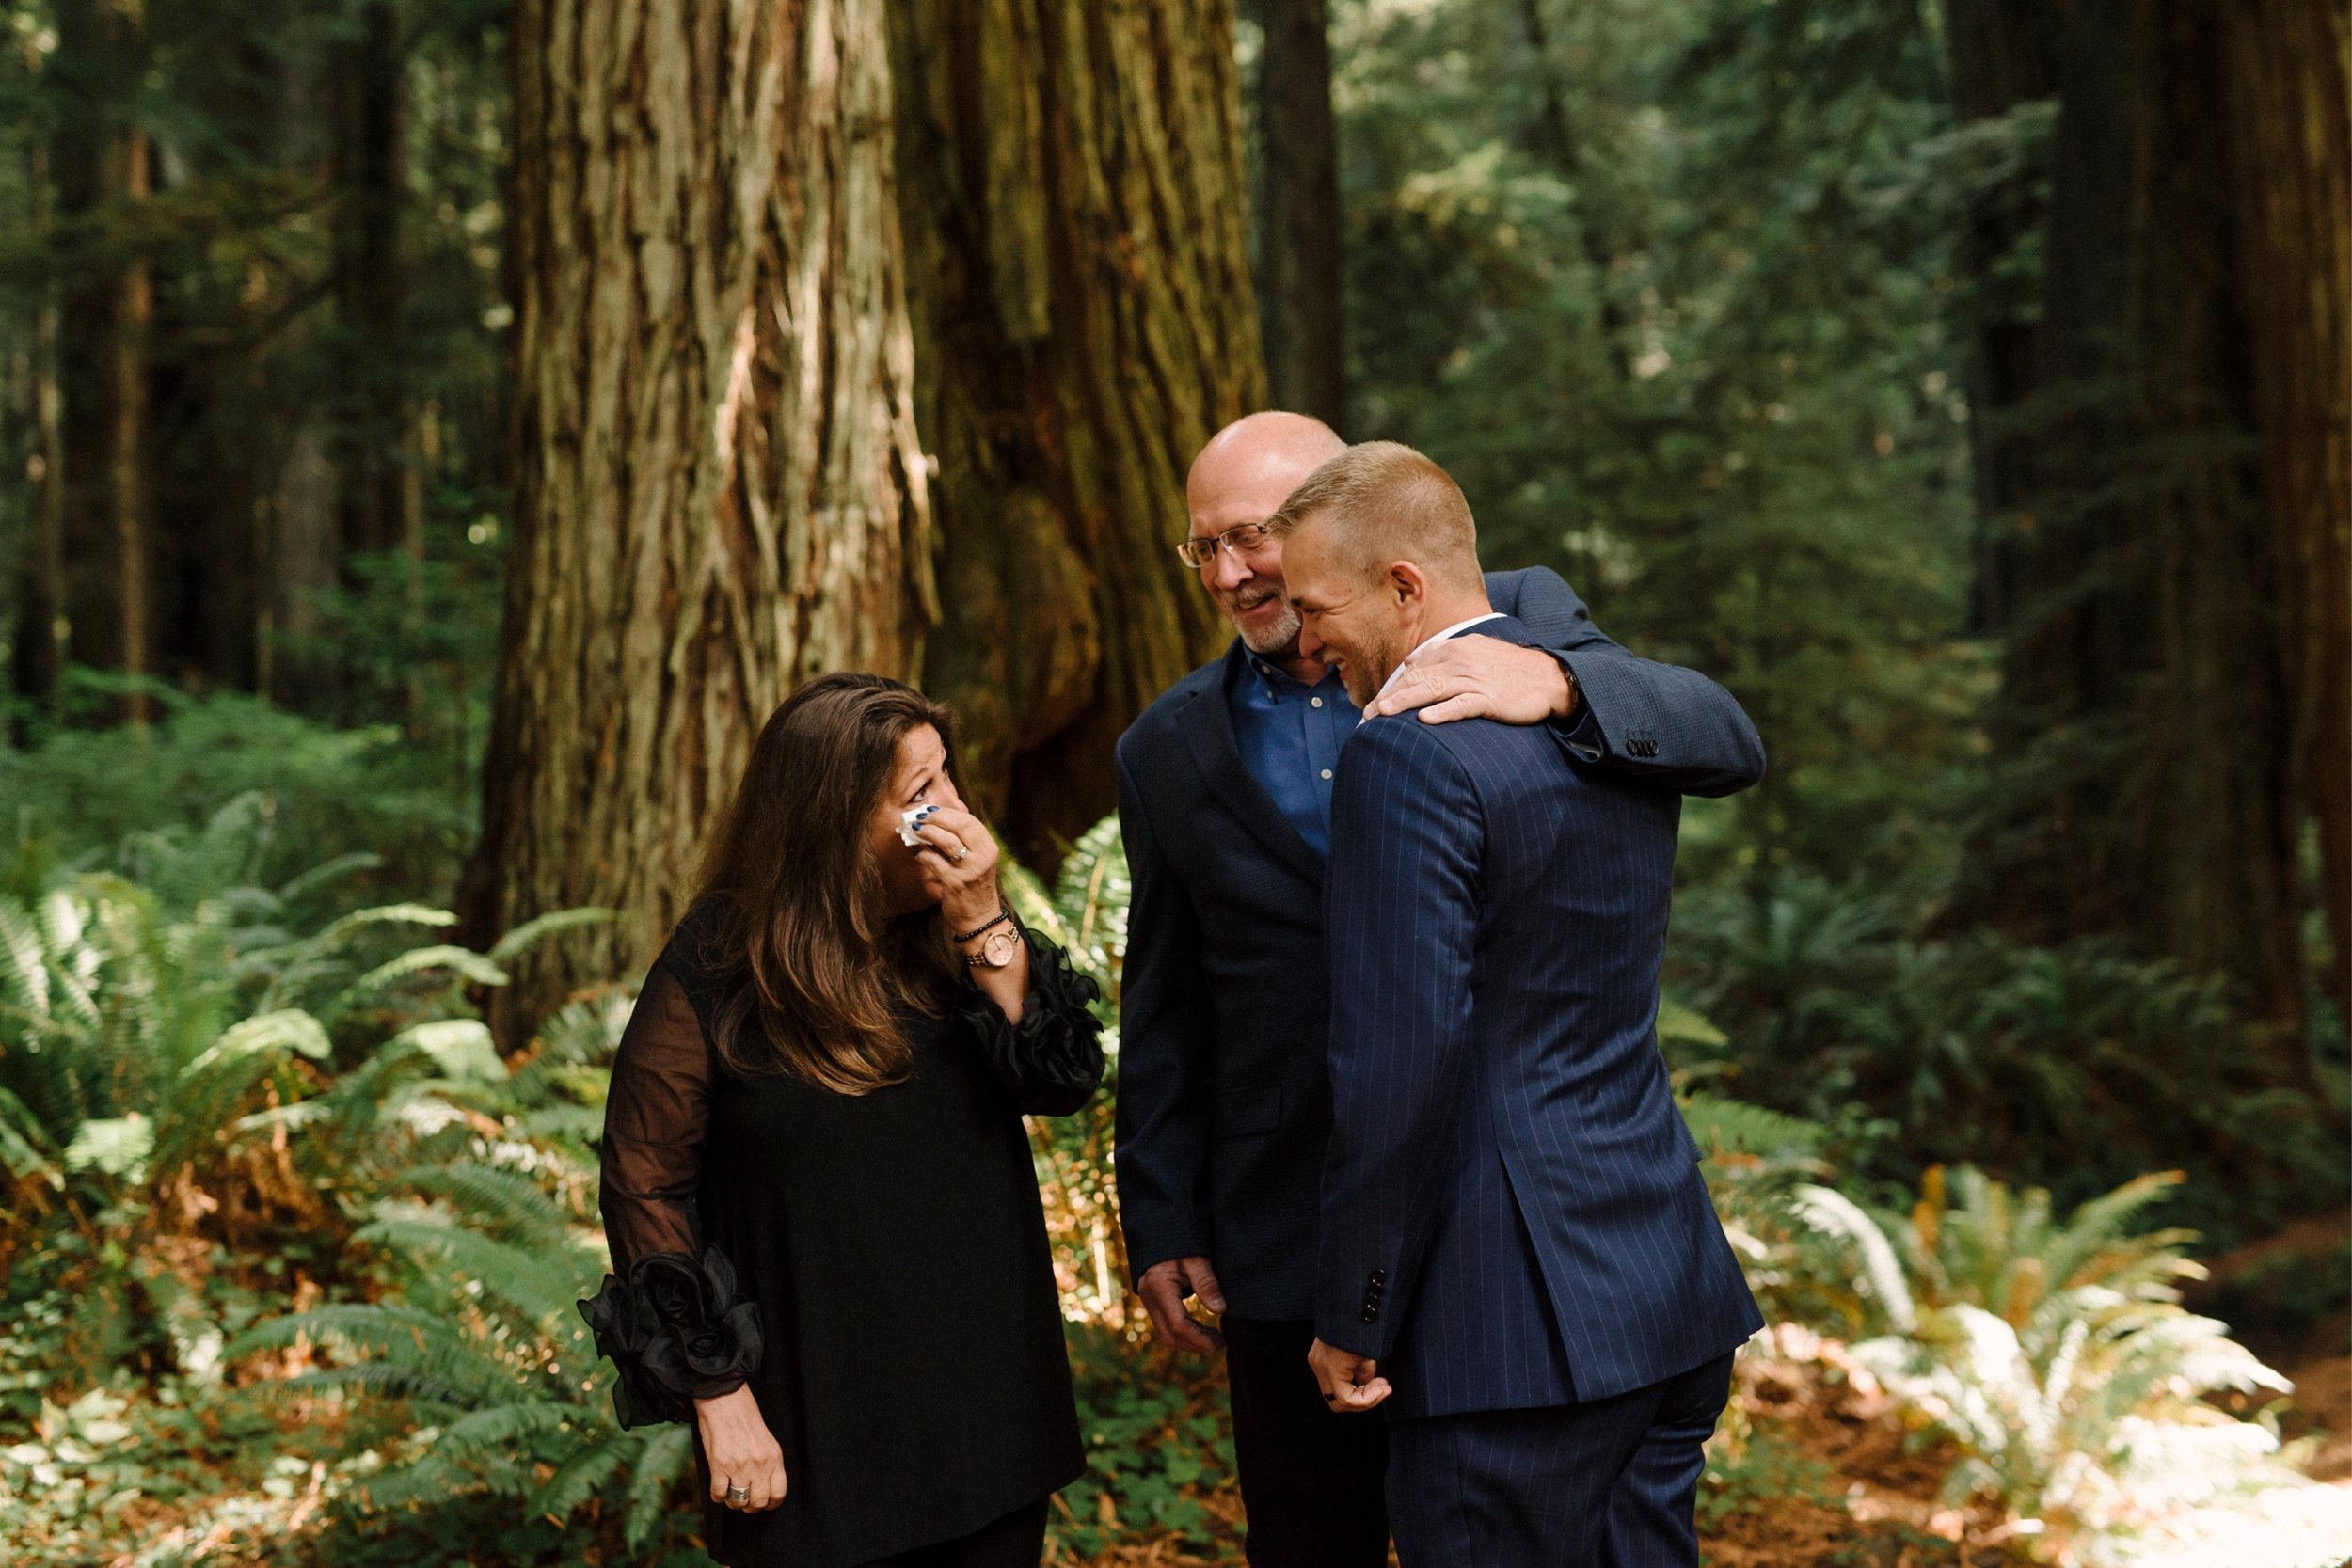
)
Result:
{"points": [[738, 1495]]}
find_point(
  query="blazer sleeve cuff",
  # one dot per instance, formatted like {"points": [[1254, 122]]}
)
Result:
{"points": [[1352, 1334], [1156, 1235], [1583, 731]]}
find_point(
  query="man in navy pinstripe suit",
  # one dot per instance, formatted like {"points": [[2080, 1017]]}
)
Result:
{"points": [[1224, 1103], [1518, 1257]]}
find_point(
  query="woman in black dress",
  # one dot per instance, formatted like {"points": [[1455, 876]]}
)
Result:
{"points": [[828, 1246]]}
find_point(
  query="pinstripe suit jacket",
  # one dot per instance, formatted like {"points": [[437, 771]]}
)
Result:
{"points": [[1223, 1102], [1513, 1214]]}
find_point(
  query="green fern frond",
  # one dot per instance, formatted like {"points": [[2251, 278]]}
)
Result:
{"points": [[2097, 1226], [533, 931], [540, 1286], [301, 887], [667, 1455], [507, 1204], [398, 1351], [466, 964], [584, 1476], [1836, 1214], [1732, 1127]]}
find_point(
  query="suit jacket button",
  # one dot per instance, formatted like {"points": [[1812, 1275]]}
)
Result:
{"points": [[1371, 1314]]}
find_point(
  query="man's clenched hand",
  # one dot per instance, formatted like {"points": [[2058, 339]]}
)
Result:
{"points": [[1163, 1287], [1476, 676], [1350, 1382]]}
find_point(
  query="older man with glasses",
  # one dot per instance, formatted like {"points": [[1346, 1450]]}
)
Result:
{"points": [[1224, 802]]}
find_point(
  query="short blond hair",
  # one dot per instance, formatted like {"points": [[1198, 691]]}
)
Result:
{"points": [[1388, 502]]}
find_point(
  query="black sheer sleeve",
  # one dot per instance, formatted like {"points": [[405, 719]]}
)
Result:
{"points": [[668, 1316], [1052, 1060]]}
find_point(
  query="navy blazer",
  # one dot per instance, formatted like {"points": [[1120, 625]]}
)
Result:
{"points": [[1513, 1212], [1224, 1103]]}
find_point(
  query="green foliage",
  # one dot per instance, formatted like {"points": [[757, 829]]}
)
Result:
{"points": [[2054, 1353], [136, 1021], [486, 1347], [1085, 912], [75, 792], [1156, 1439], [1762, 1469], [1667, 295], [2075, 1066]]}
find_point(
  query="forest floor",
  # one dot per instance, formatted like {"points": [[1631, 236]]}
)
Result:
{"points": [[1819, 1475]]}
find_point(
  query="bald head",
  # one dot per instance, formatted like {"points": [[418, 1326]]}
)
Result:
{"points": [[1258, 454], [1242, 477]]}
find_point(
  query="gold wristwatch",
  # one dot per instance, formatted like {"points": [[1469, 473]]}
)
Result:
{"points": [[997, 951], [1004, 940]]}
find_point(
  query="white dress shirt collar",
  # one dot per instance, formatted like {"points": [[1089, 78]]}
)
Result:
{"points": [[1453, 630]]}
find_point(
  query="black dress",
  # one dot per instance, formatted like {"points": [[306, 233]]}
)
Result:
{"points": [[874, 1266]]}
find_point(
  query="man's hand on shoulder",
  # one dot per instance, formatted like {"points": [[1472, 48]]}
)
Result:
{"points": [[1163, 1287], [1476, 676]]}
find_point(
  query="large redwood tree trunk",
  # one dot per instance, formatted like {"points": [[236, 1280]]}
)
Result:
{"points": [[2290, 62], [1075, 214], [751, 262], [720, 490]]}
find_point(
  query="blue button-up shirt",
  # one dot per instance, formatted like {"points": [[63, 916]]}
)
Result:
{"points": [[1289, 735]]}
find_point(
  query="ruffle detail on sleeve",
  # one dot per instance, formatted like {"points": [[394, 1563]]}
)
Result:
{"points": [[676, 1331], [1052, 1060]]}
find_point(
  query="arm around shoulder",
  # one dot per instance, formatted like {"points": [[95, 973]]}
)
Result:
{"points": [[1668, 725]]}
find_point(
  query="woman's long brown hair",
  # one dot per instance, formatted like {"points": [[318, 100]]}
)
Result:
{"points": [[798, 899]]}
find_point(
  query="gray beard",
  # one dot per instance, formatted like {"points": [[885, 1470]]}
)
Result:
{"points": [[1276, 639]]}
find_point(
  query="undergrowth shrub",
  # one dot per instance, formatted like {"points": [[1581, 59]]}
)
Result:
{"points": [[75, 793], [2074, 1068], [2054, 1353]]}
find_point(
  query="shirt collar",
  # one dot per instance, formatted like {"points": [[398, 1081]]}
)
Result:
{"points": [[1453, 630], [1276, 678]]}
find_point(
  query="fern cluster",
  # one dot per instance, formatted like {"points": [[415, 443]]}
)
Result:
{"points": [[2054, 1352], [485, 1347]]}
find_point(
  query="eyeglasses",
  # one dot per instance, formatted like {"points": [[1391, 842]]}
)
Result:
{"points": [[1242, 538]]}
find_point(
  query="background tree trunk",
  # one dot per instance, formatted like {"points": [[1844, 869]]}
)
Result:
{"points": [[2145, 721], [1074, 203], [1300, 283], [41, 628], [719, 491], [107, 309], [2004, 59], [366, 73], [2289, 63]]}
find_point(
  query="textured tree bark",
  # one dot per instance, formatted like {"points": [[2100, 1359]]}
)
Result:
{"points": [[2145, 722], [1300, 283], [1073, 205], [720, 490], [754, 254], [2289, 63]]}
